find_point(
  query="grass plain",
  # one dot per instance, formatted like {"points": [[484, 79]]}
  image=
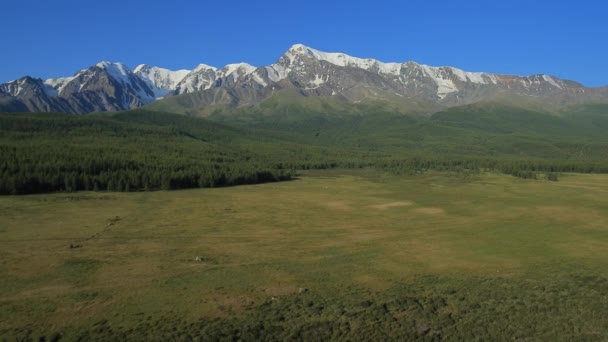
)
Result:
{"points": [[343, 254]]}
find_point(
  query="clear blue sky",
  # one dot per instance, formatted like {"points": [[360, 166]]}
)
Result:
{"points": [[45, 38]]}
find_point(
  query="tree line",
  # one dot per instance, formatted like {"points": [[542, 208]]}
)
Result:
{"points": [[59, 153], [150, 151]]}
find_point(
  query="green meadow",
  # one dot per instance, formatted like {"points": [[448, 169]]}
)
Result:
{"points": [[334, 254]]}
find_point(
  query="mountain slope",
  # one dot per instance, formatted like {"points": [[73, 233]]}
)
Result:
{"points": [[160, 80], [103, 87], [11, 104], [408, 86], [483, 130], [302, 70]]}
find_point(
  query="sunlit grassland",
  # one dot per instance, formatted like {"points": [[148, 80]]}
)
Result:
{"points": [[490, 255]]}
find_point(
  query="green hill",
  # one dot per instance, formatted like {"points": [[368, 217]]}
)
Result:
{"points": [[147, 150]]}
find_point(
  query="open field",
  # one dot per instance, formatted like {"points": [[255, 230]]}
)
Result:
{"points": [[335, 254]]}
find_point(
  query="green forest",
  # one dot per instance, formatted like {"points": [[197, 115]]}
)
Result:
{"points": [[142, 150], [48, 152]]}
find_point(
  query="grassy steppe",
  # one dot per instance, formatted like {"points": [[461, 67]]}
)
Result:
{"points": [[350, 254]]}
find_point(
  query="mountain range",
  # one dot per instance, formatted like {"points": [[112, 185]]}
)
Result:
{"points": [[303, 72]]}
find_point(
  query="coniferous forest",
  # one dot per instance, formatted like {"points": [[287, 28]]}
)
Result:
{"points": [[143, 150], [48, 153]]}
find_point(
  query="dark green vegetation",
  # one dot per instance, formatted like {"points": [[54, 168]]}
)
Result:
{"points": [[336, 254], [433, 308], [143, 150], [125, 152]]}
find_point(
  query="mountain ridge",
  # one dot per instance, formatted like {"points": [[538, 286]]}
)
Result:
{"points": [[109, 86]]}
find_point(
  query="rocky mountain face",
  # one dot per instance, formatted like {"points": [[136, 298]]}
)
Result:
{"points": [[103, 87], [112, 86]]}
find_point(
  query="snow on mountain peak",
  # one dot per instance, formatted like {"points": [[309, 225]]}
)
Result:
{"points": [[114, 67], [241, 69], [343, 60], [118, 71], [141, 68], [200, 78], [445, 77], [58, 83], [552, 81], [204, 67], [298, 46], [301, 67], [160, 80]]}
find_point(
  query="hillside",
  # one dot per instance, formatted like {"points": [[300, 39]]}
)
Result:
{"points": [[145, 150]]}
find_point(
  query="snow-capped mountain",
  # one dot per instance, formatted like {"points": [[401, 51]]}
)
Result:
{"points": [[201, 78], [35, 95], [336, 73], [110, 86], [160, 80], [206, 77], [105, 86]]}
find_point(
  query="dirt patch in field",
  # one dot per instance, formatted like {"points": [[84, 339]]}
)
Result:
{"points": [[385, 206], [339, 205], [429, 211]]}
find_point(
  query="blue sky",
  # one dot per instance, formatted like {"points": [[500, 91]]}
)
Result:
{"points": [[56, 38]]}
